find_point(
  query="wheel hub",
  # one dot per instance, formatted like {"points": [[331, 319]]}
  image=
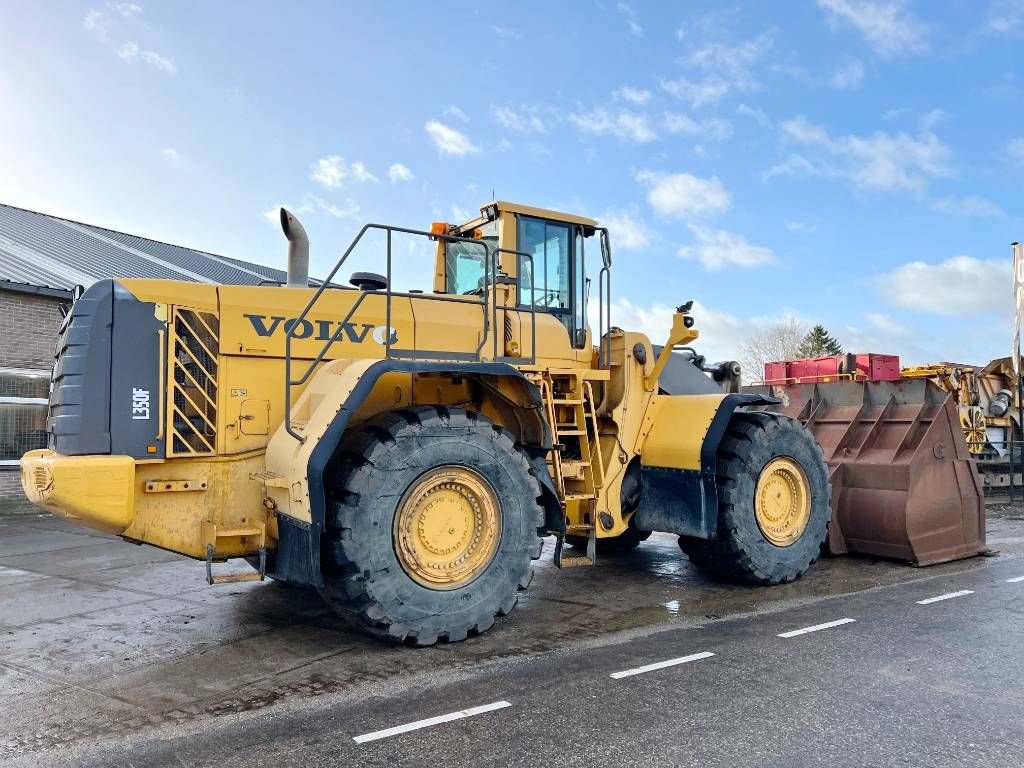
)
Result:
{"points": [[447, 528], [782, 501]]}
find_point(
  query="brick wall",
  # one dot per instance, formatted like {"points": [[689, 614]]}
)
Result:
{"points": [[28, 330]]}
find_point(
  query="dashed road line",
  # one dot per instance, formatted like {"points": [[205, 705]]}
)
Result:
{"points": [[661, 665], [1015, 580], [816, 627], [417, 725], [947, 596]]}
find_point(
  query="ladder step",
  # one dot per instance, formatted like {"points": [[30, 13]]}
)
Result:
{"points": [[578, 496], [556, 401], [571, 432], [576, 561], [227, 533], [236, 578], [578, 530]]}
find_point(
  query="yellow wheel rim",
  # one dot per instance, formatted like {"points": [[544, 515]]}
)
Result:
{"points": [[447, 528], [782, 501]]}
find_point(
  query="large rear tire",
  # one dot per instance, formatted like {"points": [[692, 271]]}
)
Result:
{"points": [[434, 522], [773, 502]]}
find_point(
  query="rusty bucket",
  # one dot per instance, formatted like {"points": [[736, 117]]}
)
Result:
{"points": [[903, 483]]}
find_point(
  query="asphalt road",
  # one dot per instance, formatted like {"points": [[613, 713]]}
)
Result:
{"points": [[905, 683]]}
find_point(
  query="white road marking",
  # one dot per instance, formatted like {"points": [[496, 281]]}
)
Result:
{"points": [[1015, 580], [946, 596], [816, 627], [661, 665], [462, 713]]}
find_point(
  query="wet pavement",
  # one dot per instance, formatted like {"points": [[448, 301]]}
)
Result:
{"points": [[102, 640]]}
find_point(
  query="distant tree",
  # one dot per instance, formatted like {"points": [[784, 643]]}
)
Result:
{"points": [[819, 343], [780, 341]]}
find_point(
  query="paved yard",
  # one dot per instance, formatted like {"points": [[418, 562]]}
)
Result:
{"points": [[102, 640]]}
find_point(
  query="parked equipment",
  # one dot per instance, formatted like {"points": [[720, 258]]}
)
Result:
{"points": [[405, 453]]}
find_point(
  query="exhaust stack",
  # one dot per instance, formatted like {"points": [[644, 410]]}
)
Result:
{"points": [[298, 250]]}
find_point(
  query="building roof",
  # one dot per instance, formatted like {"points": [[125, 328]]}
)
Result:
{"points": [[46, 254]]}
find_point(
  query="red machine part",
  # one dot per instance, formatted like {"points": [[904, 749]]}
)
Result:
{"points": [[865, 366]]}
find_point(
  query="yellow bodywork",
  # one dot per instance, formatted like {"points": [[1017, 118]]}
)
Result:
{"points": [[226, 485]]}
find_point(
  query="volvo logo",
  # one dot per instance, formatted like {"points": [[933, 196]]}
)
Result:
{"points": [[320, 330]]}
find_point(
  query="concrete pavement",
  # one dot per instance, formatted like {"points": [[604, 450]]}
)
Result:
{"points": [[105, 643]]}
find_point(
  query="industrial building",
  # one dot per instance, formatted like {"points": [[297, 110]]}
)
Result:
{"points": [[42, 260]]}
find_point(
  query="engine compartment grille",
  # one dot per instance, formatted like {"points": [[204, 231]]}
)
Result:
{"points": [[195, 339]]}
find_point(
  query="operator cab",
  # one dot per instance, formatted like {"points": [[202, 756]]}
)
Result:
{"points": [[543, 252]]}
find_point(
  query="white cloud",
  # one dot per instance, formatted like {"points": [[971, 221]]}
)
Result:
{"points": [[273, 214], [932, 118], [448, 140], [885, 24], [399, 172], [97, 24], [130, 51], [756, 114], [348, 210], [697, 93], [506, 33], [170, 155], [126, 9], [717, 248], [461, 214], [800, 226], [721, 69], [523, 120], [848, 76], [638, 97], [1006, 17], [625, 125], [720, 332], [453, 111], [332, 171], [1015, 150], [683, 196], [881, 161], [630, 14], [626, 230], [712, 128], [886, 324], [960, 285], [157, 61], [971, 205], [360, 172]]}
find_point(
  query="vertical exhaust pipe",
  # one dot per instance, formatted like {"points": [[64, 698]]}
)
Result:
{"points": [[298, 250]]}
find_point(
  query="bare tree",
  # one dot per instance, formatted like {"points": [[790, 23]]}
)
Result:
{"points": [[780, 341]]}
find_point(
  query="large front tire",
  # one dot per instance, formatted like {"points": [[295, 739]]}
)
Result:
{"points": [[773, 502], [433, 525]]}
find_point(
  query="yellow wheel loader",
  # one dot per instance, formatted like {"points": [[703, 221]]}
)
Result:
{"points": [[406, 453]]}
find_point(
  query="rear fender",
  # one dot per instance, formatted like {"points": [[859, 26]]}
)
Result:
{"points": [[679, 460], [502, 387]]}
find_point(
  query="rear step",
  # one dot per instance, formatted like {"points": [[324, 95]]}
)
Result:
{"points": [[211, 535], [576, 561]]}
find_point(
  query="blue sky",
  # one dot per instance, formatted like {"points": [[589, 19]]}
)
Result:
{"points": [[853, 163]]}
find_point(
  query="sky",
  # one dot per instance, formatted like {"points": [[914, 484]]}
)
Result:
{"points": [[854, 163]]}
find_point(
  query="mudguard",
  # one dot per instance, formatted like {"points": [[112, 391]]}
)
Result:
{"points": [[679, 460], [298, 555]]}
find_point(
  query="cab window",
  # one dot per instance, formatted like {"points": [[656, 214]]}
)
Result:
{"points": [[465, 263], [544, 284]]}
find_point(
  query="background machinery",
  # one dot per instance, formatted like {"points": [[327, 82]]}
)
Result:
{"points": [[405, 453]]}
